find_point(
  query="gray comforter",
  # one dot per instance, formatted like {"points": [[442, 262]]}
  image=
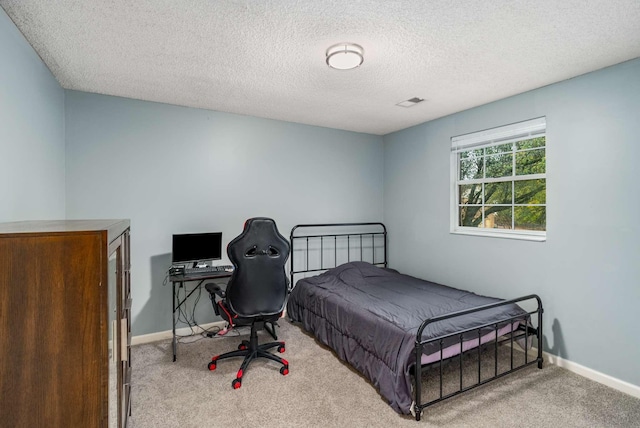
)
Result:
{"points": [[370, 316]]}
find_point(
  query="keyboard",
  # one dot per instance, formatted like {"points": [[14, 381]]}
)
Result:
{"points": [[208, 269]]}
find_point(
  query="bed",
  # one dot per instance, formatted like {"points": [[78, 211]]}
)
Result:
{"points": [[382, 322]]}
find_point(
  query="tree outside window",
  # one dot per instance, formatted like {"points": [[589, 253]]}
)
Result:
{"points": [[500, 184]]}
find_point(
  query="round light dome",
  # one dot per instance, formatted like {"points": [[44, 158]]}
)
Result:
{"points": [[345, 56]]}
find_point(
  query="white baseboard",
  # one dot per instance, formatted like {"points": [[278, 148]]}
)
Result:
{"points": [[610, 381], [168, 334]]}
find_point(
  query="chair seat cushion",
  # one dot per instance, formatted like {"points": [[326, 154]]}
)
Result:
{"points": [[233, 319]]}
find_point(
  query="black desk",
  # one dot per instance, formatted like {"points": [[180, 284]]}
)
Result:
{"points": [[179, 280]]}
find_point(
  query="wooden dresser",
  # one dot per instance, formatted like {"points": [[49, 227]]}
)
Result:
{"points": [[65, 324]]}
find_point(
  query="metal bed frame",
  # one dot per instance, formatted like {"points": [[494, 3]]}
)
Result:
{"points": [[355, 239]]}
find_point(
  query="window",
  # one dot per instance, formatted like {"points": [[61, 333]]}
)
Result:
{"points": [[499, 182]]}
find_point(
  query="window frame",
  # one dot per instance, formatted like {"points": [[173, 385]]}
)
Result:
{"points": [[511, 133]]}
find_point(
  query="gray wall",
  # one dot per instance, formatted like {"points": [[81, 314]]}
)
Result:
{"points": [[31, 132], [179, 170], [588, 270]]}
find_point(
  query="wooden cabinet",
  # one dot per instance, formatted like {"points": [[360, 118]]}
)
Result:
{"points": [[65, 324]]}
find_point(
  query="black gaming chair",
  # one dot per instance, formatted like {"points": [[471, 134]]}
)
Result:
{"points": [[256, 292]]}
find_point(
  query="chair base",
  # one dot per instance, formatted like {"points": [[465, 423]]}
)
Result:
{"points": [[250, 350]]}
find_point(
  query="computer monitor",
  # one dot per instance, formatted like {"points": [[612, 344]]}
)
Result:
{"points": [[196, 247]]}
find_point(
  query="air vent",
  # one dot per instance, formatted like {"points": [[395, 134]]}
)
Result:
{"points": [[410, 102]]}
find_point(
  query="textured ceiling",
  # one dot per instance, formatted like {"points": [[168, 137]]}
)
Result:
{"points": [[267, 58]]}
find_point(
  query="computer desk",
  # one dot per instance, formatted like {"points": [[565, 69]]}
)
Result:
{"points": [[177, 282]]}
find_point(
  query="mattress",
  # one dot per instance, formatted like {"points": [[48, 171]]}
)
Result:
{"points": [[370, 317]]}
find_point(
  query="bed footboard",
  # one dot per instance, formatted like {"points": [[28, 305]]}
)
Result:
{"points": [[523, 332]]}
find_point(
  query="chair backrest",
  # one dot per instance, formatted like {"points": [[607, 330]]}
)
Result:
{"points": [[258, 286]]}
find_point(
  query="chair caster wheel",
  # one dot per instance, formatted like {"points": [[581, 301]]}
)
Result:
{"points": [[284, 370], [281, 349], [236, 384], [212, 365]]}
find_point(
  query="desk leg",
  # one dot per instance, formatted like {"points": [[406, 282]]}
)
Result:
{"points": [[173, 303]]}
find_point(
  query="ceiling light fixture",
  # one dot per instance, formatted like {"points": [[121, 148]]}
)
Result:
{"points": [[345, 56]]}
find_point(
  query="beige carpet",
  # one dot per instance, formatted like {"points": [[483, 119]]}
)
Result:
{"points": [[321, 391]]}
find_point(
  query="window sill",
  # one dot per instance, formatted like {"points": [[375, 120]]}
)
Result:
{"points": [[504, 235]]}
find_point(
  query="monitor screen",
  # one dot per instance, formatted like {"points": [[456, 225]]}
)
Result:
{"points": [[194, 247]]}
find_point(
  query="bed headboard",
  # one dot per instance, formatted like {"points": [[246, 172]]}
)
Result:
{"points": [[318, 247]]}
